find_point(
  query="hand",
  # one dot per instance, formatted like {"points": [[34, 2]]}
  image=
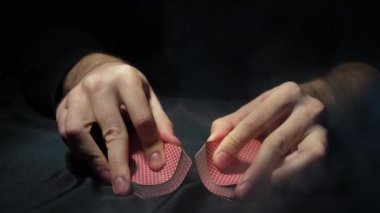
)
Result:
{"points": [[287, 119], [102, 96]]}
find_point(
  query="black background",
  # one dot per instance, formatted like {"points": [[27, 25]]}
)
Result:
{"points": [[209, 56]]}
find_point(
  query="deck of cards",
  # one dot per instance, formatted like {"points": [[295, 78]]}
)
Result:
{"points": [[148, 183], [222, 182]]}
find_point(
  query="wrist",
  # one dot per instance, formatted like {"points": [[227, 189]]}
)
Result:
{"points": [[342, 89]]}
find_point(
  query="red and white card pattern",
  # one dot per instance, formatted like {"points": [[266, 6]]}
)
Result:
{"points": [[222, 182], [148, 183]]}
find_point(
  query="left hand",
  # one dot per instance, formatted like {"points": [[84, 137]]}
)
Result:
{"points": [[109, 95], [287, 118]]}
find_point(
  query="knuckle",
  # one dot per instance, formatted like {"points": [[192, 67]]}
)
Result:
{"points": [[130, 71], [233, 143], [125, 68], [279, 145], [319, 151], [323, 132], [74, 130], [130, 76], [314, 107], [223, 122], [113, 134], [93, 83], [292, 87], [251, 122], [125, 74]]}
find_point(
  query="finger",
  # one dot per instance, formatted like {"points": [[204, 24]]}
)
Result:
{"points": [[277, 145], [60, 116], [164, 125], [276, 105], [222, 126], [106, 108], [311, 150], [135, 100], [78, 123]]}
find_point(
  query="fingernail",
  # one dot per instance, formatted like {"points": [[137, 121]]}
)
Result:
{"points": [[155, 160], [105, 175], [222, 159], [242, 189], [120, 186]]}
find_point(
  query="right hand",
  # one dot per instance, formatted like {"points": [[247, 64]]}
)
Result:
{"points": [[103, 96], [287, 119]]}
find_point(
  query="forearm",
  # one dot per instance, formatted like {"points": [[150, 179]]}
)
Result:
{"points": [[343, 88], [86, 65]]}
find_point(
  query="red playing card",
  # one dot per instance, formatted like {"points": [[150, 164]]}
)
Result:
{"points": [[223, 182], [201, 162], [148, 191], [149, 183], [238, 166], [143, 175]]}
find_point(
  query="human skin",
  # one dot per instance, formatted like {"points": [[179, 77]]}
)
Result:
{"points": [[290, 117], [106, 90], [287, 119]]}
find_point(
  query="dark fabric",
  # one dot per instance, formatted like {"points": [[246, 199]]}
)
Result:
{"points": [[38, 174], [204, 59]]}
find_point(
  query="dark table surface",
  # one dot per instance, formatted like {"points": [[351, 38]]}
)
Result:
{"points": [[38, 175]]}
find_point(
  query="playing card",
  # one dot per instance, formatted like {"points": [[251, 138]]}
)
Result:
{"points": [[148, 183], [223, 182], [143, 175], [148, 191]]}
